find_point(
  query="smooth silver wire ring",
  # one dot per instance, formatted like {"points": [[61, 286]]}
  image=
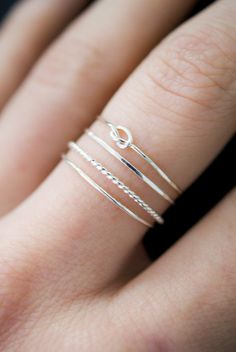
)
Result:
{"points": [[124, 161], [74, 146], [123, 143], [79, 171]]}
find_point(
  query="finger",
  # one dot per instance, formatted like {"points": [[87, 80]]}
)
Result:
{"points": [[192, 285], [25, 34], [181, 120], [71, 85]]}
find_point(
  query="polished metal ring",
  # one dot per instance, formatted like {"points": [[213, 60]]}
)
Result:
{"points": [[127, 163], [101, 190], [115, 180], [127, 142], [123, 139]]}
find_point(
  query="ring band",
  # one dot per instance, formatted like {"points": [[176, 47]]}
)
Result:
{"points": [[123, 143], [124, 161], [74, 146], [128, 143], [104, 192]]}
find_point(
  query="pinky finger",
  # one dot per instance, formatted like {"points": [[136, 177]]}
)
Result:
{"points": [[189, 295]]}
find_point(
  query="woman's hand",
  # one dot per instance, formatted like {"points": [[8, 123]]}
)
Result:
{"points": [[73, 274]]}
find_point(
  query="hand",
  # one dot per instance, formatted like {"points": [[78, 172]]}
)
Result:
{"points": [[73, 273]]}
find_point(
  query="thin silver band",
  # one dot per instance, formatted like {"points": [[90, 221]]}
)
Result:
{"points": [[128, 143], [104, 192], [118, 156], [157, 217]]}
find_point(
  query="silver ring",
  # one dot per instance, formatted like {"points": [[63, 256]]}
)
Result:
{"points": [[104, 192], [123, 139], [124, 161], [74, 146], [123, 143]]}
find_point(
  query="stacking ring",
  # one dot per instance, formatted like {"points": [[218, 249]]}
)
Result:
{"points": [[127, 163], [123, 140], [117, 182], [104, 192], [123, 143]]}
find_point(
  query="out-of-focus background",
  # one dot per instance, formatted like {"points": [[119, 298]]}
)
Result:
{"points": [[216, 182], [4, 6]]}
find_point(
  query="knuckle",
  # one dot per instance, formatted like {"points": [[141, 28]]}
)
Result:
{"points": [[197, 68]]}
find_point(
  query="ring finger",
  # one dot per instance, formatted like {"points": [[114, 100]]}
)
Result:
{"points": [[187, 87], [72, 83]]}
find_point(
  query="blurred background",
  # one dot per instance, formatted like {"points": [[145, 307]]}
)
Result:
{"points": [[209, 189]]}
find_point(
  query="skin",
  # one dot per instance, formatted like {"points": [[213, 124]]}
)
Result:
{"points": [[73, 274]]}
